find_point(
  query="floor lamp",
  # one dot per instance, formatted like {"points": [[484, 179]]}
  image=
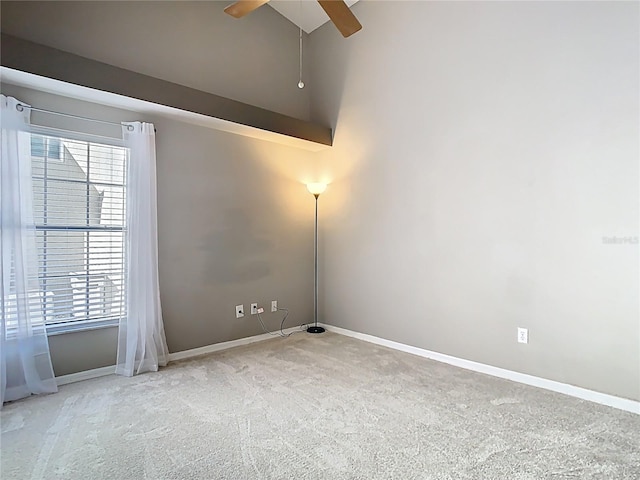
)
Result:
{"points": [[316, 189]]}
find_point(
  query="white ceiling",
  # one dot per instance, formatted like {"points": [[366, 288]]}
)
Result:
{"points": [[306, 14]]}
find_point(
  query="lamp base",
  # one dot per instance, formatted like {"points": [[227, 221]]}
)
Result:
{"points": [[315, 330]]}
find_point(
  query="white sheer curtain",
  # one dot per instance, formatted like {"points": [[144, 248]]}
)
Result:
{"points": [[24, 347], [142, 345]]}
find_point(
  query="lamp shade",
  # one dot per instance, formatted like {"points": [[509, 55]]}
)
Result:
{"points": [[316, 188]]}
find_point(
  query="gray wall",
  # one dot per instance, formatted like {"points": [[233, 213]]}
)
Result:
{"points": [[253, 60], [235, 221], [235, 225], [482, 151]]}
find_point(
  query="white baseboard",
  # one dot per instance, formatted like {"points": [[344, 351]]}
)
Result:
{"points": [[571, 390], [578, 392], [216, 347], [194, 352], [85, 375]]}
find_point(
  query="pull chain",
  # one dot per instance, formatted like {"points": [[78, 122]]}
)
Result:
{"points": [[300, 83]]}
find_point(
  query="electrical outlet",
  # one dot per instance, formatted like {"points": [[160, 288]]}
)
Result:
{"points": [[239, 311], [523, 335], [254, 309], [274, 306]]}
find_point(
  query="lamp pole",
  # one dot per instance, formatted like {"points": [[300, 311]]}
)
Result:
{"points": [[315, 328]]}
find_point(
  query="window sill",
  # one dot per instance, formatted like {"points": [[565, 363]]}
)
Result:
{"points": [[73, 327]]}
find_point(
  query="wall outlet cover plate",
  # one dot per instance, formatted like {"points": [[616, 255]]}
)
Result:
{"points": [[523, 335]]}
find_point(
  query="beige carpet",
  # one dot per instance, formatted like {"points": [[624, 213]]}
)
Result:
{"points": [[314, 407]]}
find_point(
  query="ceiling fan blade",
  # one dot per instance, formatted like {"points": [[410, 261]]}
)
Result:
{"points": [[341, 16], [243, 7]]}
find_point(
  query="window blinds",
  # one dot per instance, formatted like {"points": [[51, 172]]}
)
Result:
{"points": [[79, 211]]}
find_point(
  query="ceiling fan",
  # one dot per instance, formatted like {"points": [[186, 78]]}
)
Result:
{"points": [[338, 12]]}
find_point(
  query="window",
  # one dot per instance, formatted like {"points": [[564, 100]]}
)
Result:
{"points": [[79, 209], [41, 145]]}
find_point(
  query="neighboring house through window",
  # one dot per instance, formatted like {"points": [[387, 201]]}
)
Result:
{"points": [[41, 145], [79, 210]]}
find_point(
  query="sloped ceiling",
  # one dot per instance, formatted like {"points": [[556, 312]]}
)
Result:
{"points": [[306, 14]]}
